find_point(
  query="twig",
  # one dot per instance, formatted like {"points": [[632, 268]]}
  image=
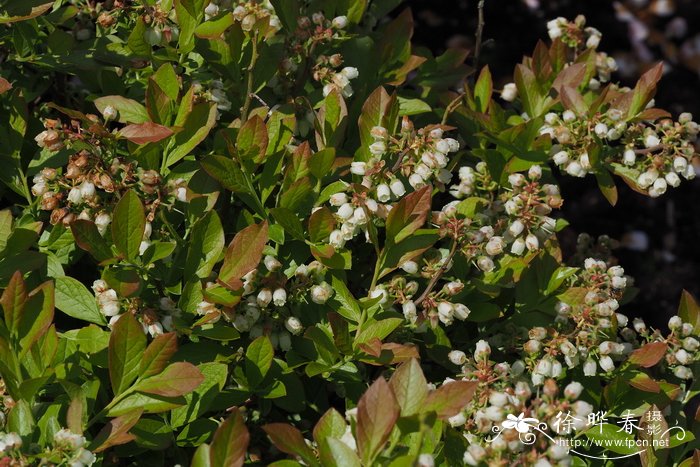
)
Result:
{"points": [[479, 33], [436, 277], [451, 107], [658, 147], [249, 89]]}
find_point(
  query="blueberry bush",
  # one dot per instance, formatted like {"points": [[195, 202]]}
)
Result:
{"points": [[275, 233]]}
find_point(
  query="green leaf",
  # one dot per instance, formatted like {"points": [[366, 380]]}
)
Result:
{"points": [[330, 425], [321, 224], [125, 352], [335, 452], [243, 254], [128, 225], [377, 413], [197, 126], [349, 308], [215, 28], [199, 401], [377, 329], [89, 239], [158, 354], [177, 379], [413, 106], [147, 402], [258, 359], [252, 139], [137, 42], [290, 440], [74, 299], [408, 215], [129, 111], [227, 172], [189, 14], [410, 387], [622, 442], [483, 90], [289, 221], [205, 246], [230, 442], [393, 256], [202, 456]]}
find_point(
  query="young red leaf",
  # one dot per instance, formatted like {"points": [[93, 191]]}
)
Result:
{"points": [[115, 432], [377, 412], [230, 442], [648, 355], [645, 89], [408, 215], [289, 440], [143, 133], [644, 382], [125, 352], [177, 379], [689, 310], [13, 300], [157, 354], [4, 85], [573, 100], [36, 317], [243, 254], [449, 399]]}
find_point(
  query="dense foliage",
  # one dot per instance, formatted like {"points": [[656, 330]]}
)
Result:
{"points": [[257, 232]]}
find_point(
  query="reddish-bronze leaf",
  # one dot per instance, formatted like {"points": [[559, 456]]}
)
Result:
{"points": [[689, 310], [377, 412], [13, 299], [115, 432], [4, 85], [648, 355], [243, 254], [230, 442], [148, 132], [644, 382], [408, 215], [177, 379], [449, 399], [290, 440], [158, 353]]}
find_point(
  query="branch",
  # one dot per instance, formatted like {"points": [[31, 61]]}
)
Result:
{"points": [[479, 33], [436, 277], [249, 89]]}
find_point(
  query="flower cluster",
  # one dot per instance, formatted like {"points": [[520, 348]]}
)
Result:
{"points": [[505, 389], [153, 321], [71, 448], [250, 13], [473, 181], [658, 154], [87, 187], [682, 345], [272, 299]]}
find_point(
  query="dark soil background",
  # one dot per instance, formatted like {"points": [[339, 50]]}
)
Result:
{"points": [[671, 260]]}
